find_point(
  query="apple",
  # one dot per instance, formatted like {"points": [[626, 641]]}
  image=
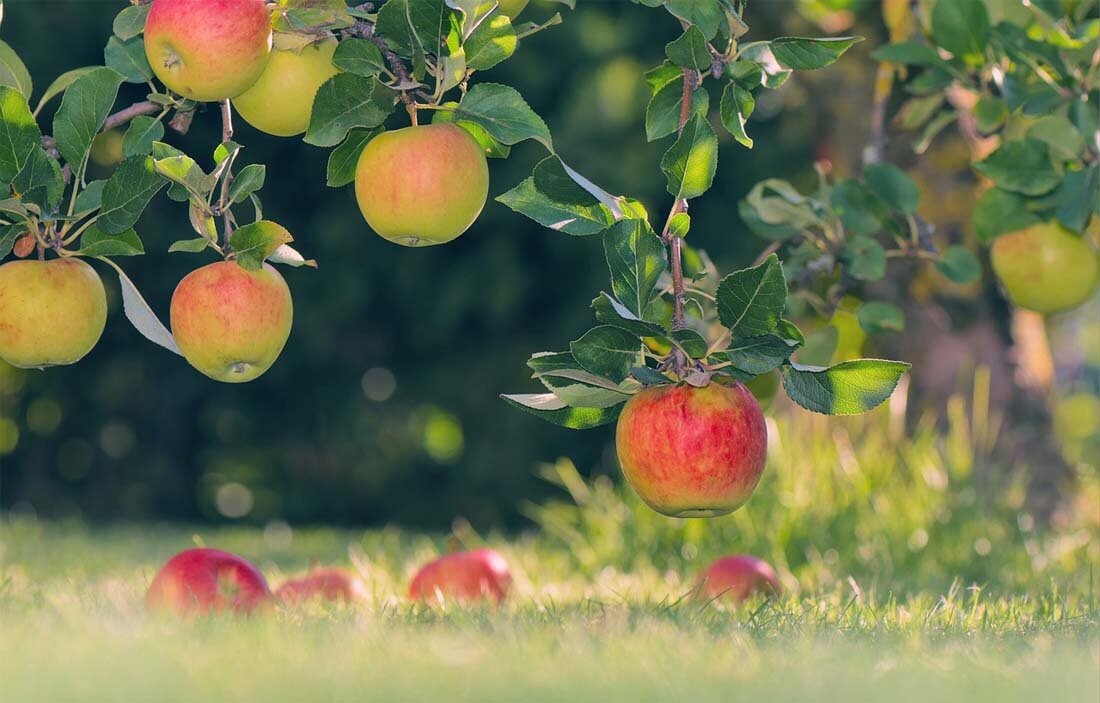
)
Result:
{"points": [[51, 312], [512, 8], [736, 578], [205, 581], [423, 185], [692, 452], [1045, 267], [468, 576], [231, 323], [281, 101], [325, 584], [208, 50]]}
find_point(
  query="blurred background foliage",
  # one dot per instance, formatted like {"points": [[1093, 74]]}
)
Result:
{"points": [[383, 407]]}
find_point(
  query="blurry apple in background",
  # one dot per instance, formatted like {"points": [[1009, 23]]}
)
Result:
{"points": [[737, 578], [1045, 267], [231, 323], [327, 584], [206, 581], [424, 185], [464, 576], [52, 312], [692, 452], [208, 50], [280, 102]]}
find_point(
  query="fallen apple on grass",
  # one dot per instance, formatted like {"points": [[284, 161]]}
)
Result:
{"points": [[327, 584], [692, 452], [464, 576], [423, 185], [206, 581], [208, 50], [280, 102], [52, 312], [230, 323], [737, 578]]}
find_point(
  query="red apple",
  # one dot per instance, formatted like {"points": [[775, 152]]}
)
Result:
{"points": [[692, 452], [482, 573], [205, 581], [737, 578], [208, 50], [325, 584]]}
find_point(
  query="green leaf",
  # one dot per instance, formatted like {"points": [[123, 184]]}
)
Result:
{"points": [[360, 57], [877, 317], [865, 257], [549, 407], [344, 102], [493, 41], [553, 199], [690, 51], [760, 354], [13, 72], [890, 183], [344, 159], [248, 181], [40, 181], [636, 258], [861, 212], [910, 53], [141, 134], [8, 235], [127, 192], [255, 242], [501, 111], [61, 84], [607, 351], [1076, 197], [662, 116], [96, 242], [679, 225], [691, 343], [1061, 135], [1021, 166], [991, 113], [751, 301], [690, 163], [804, 54], [999, 211], [85, 106], [141, 316], [850, 388], [129, 59], [737, 104], [180, 168], [707, 15], [960, 265], [130, 22], [962, 27], [19, 133], [191, 246], [610, 311], [90, 198]]}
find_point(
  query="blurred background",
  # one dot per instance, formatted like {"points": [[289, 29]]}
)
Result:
{"points": [[384, 405]]}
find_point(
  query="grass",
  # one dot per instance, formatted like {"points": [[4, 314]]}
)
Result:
{"points": [[912, 570]]}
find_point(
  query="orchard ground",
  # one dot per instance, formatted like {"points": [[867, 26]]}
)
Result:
{"points": [[913, 572]]}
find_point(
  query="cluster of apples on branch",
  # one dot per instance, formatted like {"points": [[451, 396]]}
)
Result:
{"points": [[205, 581]]}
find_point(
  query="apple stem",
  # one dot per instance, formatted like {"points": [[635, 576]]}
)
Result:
{"points": [[227, 180], [412, 108]]}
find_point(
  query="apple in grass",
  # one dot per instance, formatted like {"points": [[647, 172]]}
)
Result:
{"points": [[207, 581], [51, 312], [208, 50], [737, 578], [1045, 267], [280, 102], [692, 452], [422, 185], [327, 584], [231, 323], [464, 576]]}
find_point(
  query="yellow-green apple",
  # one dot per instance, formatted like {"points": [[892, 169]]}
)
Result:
{"points": [[323, 584], [692, 452], [230, 323], [464, 576], [1045, 267], [424, 185], [51, 312], [736, 578], [280, 102], [205, 581], [208, 50], [512, 8]]}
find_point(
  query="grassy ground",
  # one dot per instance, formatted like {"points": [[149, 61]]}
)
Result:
{"points": [[912, 572]]}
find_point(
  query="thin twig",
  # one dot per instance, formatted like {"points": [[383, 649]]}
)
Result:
{"points": [[145, 107], [227, 180]]}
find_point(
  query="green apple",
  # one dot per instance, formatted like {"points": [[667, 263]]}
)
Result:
{"points": [[230, 323], [51, 312], [281, 101], [1045, 267], [424, 185], [208, 50]]}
